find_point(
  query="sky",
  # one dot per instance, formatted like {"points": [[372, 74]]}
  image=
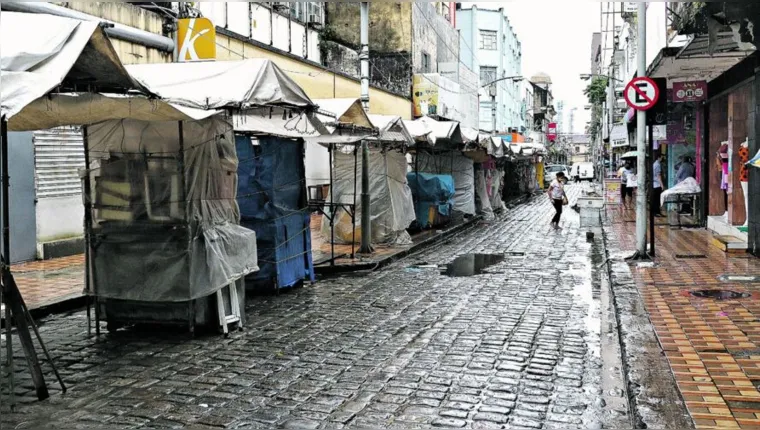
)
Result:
{"points": [[556, 39]]}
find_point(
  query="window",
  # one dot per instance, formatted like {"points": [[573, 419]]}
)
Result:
{"points": [[425, 62], [488, 40], [577, 149], [487, 75]]}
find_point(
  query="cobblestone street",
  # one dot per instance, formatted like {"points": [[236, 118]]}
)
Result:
{"points": [[519, 346]]}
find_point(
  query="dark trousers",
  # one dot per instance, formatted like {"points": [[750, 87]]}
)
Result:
{"points": [[558, 208], [656, 204]]}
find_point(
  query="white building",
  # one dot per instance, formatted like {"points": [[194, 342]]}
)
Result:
{"points": [[292, 27], [498, 55]]}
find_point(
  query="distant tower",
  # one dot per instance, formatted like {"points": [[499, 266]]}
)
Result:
{"points": [[561, 117]]}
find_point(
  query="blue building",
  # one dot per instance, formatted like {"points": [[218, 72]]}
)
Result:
{"points": [[490, 47]]}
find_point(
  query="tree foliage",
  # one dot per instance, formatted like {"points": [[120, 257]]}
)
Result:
{"points": [[597, 90]]}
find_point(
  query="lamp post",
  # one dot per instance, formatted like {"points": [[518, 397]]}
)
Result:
{"points": [[492, 90]]}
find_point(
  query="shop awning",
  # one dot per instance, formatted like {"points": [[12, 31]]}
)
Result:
{"points": [[619, 136], [698, 60], [218, 84], [43, 53]]}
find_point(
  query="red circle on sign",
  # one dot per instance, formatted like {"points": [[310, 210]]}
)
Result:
{"points": [[650, 102]]}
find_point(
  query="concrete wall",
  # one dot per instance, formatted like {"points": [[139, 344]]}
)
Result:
{"points": [[390, 25], [317, 81], [133, 16]]}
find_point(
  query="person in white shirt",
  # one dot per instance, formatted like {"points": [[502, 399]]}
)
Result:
{"points": [[627, 184], [558, 197]]}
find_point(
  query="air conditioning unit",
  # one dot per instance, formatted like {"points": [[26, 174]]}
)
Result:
{"points": [[280, 6], [314, 21]]}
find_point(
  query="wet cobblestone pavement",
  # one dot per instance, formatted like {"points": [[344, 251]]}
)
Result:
{"points": [[518, 346]]}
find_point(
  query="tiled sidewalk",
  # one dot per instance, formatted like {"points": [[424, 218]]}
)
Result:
{"points": [[713, 346], [45, 283]]}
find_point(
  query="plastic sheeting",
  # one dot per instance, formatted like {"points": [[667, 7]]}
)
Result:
{"points": [[461, 168], [41, 52], [217, 84], [687, 186], [497, 179], [164, 226], [271, 195], [391, 198], [482, 201], [434, 192]]}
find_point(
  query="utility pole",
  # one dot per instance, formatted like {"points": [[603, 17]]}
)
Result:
{"points": [[366, 244], [641, 147]]}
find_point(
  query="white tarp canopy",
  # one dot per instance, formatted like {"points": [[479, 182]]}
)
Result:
{"points": [[56, 110], [471, 135], [391, 129], [217, 84], [43, 52], [345, 120], [428, 130]]}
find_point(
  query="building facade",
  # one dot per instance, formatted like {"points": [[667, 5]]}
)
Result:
{"points": [[498, 55]]}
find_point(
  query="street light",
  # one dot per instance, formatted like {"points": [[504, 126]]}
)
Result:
{"points": [[493, 96], [513, 78], [587, 76]]}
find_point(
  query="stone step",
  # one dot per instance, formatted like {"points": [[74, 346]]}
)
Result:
{"points": [[730, 244]]}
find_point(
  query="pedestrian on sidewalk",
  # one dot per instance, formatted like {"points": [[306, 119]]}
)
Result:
{"points": [[627, 177], [657, 183], [558, 197]]}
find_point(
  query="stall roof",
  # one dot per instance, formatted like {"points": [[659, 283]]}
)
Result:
{"points": [[240, 84], [391, 129], [347, 111], [345, 122], [429, 130], [56, 110], [471, 135], [42, 53]]}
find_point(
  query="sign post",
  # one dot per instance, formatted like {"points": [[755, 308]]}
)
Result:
{"points": [[641, 94]]}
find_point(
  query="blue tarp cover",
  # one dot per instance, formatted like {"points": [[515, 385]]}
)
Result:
{"points": [[431, 190], [271, 196]]}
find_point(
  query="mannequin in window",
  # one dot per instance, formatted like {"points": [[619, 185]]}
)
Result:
{"points": [[744, 176], [722, 161]]}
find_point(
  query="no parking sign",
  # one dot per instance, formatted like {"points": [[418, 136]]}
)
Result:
{"points": [[642, 93]]}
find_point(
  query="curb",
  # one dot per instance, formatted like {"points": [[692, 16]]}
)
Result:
{"points": [[653, 394]]}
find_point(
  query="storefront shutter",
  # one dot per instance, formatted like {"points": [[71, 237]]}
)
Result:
{"points": [[58, 156]]}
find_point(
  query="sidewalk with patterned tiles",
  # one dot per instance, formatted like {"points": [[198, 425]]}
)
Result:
{"points": [[712, 345], [50, 282]]}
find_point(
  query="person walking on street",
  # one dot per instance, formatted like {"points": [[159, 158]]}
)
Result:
{"points": [[626, 190], [657, 183], [558, 197]]}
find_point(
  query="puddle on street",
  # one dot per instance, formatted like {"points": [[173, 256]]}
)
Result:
{"points": [[719, 294], [472, 264]]}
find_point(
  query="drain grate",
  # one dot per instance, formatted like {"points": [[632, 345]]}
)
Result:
{"points": [[691, 256], [719, 294], [739, 278]]}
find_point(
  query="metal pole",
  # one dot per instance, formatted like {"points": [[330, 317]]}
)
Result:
{"points": [[366, 245], [87, 232], [641, 123], [7, 262], [353, 215], [653, 199], [332, 208], [493, 113]]}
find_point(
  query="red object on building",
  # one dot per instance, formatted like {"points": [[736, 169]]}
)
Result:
{"points": [[453, 13], [551, 132]]}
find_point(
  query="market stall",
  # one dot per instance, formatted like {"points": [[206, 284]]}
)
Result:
{"points": [[438, 150], [271, 116]]}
